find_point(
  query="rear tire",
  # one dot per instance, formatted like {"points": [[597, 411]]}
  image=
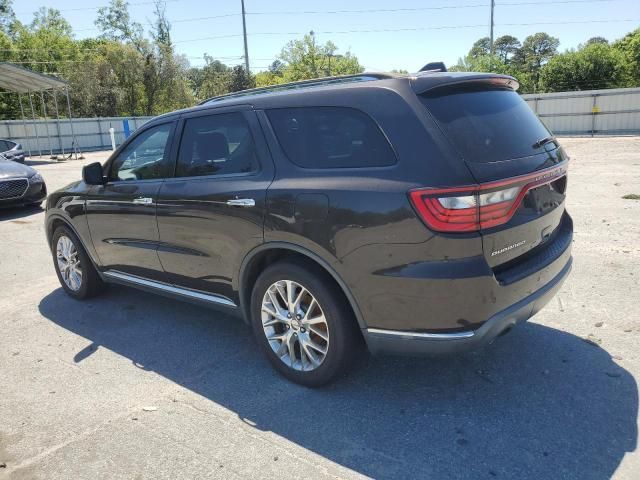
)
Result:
{"points": [[303, 324], [74, 268]]}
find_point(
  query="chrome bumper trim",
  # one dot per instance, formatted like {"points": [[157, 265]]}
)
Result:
{"points": [[430, 336]]}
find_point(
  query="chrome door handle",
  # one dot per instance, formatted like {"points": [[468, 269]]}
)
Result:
{"points": [[143, 201], [242, 202]]}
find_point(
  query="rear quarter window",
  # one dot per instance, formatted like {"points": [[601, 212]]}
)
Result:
{"points": [[486, 125], [330, 137]]}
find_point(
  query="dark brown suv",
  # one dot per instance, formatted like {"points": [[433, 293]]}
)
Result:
{"points": [[412, 214]]}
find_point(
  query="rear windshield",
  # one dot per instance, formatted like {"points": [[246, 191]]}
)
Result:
{"points": [[487, 125]]}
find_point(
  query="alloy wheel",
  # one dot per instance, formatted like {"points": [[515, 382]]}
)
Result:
{"points": [[69, 263], [294, 325]]}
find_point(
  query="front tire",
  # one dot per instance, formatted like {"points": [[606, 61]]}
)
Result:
{"points": [[303, 324], [74, 268]]}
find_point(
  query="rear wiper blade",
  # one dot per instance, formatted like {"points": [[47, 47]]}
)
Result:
{"points": [[544, 141]]}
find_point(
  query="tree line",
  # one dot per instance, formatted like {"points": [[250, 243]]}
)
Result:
{"points": [[539, 67], [127, 71]]}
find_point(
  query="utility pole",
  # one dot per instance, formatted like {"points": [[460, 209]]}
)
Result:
{"points": [[493, 5], [244, 33]]}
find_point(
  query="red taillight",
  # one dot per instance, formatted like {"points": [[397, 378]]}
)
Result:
{"points": [[475, 207]]}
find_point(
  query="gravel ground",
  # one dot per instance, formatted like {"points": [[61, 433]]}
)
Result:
{"points": [[131, 385]]}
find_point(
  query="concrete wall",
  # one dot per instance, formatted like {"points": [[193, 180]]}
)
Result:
{"points": [[52, 135], [589, 112]]}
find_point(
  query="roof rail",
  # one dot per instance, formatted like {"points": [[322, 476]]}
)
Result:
{"points": [[316, 82]]}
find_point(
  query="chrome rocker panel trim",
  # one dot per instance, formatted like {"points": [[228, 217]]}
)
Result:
{"points": [[170, 290]]}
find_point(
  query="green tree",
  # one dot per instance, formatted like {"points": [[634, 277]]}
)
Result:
{"points": [[51, 21], [210, 80], [505, 47], [276, 67], [45, 45], [482, 63], [161, 72], [536, 51], [306, 59], [267, 78], [239, 79], [480, 48], [595, 66], [114, 21], [629, 47], [597, 40], [7, 16]]}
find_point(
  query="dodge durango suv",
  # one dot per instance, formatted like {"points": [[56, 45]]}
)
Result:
{"points": [[414, 214]]}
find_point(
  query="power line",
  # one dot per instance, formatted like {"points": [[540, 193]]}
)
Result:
{"points": [[341, 32], [419, 9], [554, 2], [411, 29], [330, 12], [79, 9]]}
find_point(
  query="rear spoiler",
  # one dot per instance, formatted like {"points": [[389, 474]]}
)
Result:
{"points": [[428, 81], [434, 67]]}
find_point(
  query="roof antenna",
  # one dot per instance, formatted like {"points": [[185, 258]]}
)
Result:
{"points": [[434, 67]]}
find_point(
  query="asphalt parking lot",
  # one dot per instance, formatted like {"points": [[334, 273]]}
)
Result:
{"points": [[131, 385]]}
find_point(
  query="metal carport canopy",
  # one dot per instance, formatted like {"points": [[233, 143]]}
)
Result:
{"points": [[20, 80], [17, 79]]}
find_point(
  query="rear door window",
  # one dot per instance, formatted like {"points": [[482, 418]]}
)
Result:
{"points": [[330, 137], [487, 125]]}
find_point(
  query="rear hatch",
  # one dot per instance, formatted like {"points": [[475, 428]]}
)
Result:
{"points": [[519, 168]]}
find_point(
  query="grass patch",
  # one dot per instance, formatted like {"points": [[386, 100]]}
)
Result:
{"points": [[631, 196]]}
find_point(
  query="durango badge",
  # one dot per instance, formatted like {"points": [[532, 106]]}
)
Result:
{"points": [[506, 249]]}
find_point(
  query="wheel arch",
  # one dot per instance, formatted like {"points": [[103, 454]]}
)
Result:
{"points": [[54, 221], [255, 260]]}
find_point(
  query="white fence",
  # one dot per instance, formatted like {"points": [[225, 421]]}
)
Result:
{"points": [[55, 136], [589, 112]]}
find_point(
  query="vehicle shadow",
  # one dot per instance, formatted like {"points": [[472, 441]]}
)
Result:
{"points": [[36, 162], [12, 213], [539, 403]]}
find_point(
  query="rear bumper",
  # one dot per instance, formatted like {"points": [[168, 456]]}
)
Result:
{"points": [[418, 343]]}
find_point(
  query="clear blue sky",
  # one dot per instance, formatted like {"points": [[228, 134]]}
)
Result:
{"points": [[424, 39]]}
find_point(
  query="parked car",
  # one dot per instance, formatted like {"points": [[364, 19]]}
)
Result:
{"points": [[12, 151], [20, 184], [415, 214]]}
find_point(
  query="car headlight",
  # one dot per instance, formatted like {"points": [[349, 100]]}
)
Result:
{"points": [[37, 178]]}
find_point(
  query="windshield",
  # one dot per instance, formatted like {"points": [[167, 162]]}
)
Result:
{"points": [[487, 125]]}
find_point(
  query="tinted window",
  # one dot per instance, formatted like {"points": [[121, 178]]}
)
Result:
{"points": [[145, 157], [330, 137], [216, 145], [4, 146], [487, 125]]}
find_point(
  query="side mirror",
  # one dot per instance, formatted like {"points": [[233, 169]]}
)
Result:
{"points": [[92, 174]]}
